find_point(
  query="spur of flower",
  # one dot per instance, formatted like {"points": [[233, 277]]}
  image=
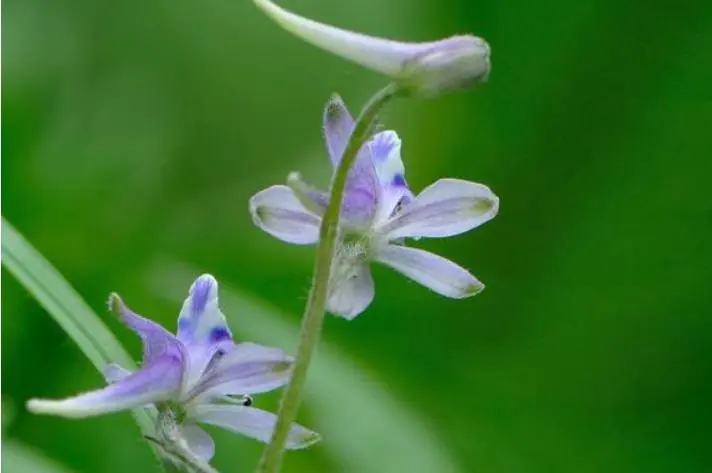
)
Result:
{"points": [[378, 213], [201, 375], [426, 68]]}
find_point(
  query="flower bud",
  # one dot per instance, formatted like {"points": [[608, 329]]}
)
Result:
{"points": [[419, 68]]}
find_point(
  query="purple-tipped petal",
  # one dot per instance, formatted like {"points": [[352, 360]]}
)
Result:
{"points": [[351, 290], [114, 373], [157, 382], [247, 368], [432, 271], [277, 211], [427, 68], [252, 422], [157, 341], [201, 321], [199, 441], [386, 153], [447, 207]]}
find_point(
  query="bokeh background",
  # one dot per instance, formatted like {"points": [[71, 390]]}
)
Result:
{"points": [[134, 133]]}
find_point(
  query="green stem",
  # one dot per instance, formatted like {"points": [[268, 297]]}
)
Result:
{"points": [[316, 304]]}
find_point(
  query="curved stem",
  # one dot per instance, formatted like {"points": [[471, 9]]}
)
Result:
{"points": [[316, 304]]}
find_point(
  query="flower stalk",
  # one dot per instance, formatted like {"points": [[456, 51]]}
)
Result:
{"points": [[314, 311]]}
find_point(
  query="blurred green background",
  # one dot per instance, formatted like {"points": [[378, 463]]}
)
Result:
{"points": [[134, 132]]}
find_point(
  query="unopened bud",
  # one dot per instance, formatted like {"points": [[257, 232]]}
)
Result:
{"points": [[418, 68]]}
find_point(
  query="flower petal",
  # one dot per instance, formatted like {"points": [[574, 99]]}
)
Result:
{"points": [[432, 271], [201, 321], [113, 373], [386, 152], [199, 441], [156, 382], [351, 289], [247, 368], [277, 211], [362, 189], [157, 341], [447, 207], [338, 126], [252, 422]]}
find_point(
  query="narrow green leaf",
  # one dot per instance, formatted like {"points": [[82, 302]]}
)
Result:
{"points": [[362, 424], [67, 307]]}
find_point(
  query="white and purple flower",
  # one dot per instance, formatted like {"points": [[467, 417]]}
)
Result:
{"points": [[378, 213], [201, 374]]}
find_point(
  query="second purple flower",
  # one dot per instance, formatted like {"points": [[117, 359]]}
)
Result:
{"points": [[378, 213]]}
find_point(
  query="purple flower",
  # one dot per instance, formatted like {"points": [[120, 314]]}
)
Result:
{"points": [[425, 68], [201, 374], [379, 212]]}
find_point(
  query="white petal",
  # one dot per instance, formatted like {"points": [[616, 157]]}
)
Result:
{"points": [[447, 207], [432, 271], [199, 441], [351, 290], [277, 211], [252, 422]]}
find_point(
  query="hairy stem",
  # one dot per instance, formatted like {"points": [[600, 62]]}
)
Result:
{"points": [[316, 304]]}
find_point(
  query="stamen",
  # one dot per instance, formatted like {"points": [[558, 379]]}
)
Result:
{"points": [[241, 399]]}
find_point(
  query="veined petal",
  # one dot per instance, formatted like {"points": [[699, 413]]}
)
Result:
{"points": [[361, 194], [252, 422], [113, 373], [277, 211], [201, 321], [386, 153], [247, 368], [432, 271], [199, 441], [159, 381], [351, 288], [445, 208], [157, 341], [338, 126], [428, 67]]}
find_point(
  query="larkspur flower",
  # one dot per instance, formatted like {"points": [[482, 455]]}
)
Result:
{"points": [[378, 213], [423, 68], [201, 375]]}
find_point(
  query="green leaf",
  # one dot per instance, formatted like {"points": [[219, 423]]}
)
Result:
{"points": [[362, 424], [67, 307], [18, 458]]}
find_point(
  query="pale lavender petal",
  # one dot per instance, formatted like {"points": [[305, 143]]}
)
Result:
{"points": [[382, 55], [247, 368], [279, 212], [157, 382], [351, 290], [447, 207], [113, 373], [157, 341], [428, 67], [432, 271], [338, 126], [362, 190], [252, 422], [199, 441]]}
